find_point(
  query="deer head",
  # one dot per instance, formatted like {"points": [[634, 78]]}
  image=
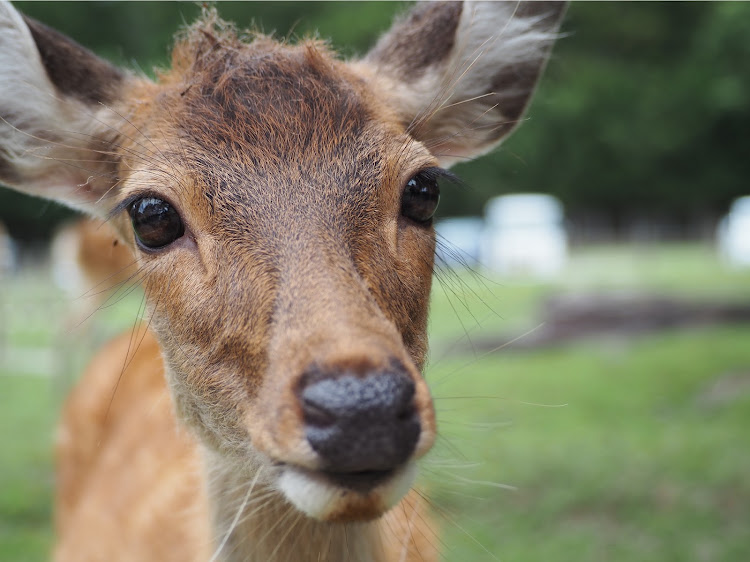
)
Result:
{"points": [[279, 203]]}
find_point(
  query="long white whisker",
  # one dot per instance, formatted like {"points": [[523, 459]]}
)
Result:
{"points": [[237, 515]]}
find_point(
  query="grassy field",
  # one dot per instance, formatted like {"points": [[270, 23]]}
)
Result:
{"points": [[606, 449]]}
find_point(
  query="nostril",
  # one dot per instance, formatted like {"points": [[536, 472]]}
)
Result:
{"points": [[406, 413], [316, 415], [404, 402]]}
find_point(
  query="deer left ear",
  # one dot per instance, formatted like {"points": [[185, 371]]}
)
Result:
{"points": [[54, 138], [461, 74]]}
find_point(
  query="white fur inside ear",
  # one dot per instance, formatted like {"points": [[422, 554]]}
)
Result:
{"points": [[463, 105], [312, 494], [490, 36], [27, 97], [491, 40], [37, 126]]}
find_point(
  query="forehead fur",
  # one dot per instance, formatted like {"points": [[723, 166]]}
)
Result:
{"points": [[256, 118], [254, 92]]}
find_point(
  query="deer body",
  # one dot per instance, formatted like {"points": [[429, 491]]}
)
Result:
{"points": [[87, 260], [278, 202]]}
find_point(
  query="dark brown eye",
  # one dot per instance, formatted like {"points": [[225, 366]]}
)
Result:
{"points": [[156, 223], [420, 197]]}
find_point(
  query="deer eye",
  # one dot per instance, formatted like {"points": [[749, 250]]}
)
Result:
{"points": [[420, 197], [156, 223]]}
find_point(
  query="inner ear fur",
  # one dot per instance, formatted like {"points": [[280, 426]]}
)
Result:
{"points": [[461, 74], [56, 128]]}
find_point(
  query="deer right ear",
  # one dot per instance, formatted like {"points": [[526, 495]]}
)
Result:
{"points": [[461, 74], [54, 96]]}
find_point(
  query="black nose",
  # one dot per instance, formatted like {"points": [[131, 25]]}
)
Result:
{"points": [[360, 423]]}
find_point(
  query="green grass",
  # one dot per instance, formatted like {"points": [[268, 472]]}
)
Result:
{"points": [[28, 411], [617, 449], [39, 359], [639, 464]]}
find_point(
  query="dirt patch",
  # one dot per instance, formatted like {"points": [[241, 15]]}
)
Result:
{"points": [[723, 390], [579, 316]]}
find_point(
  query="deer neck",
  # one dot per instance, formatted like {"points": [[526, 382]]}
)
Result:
{"points": [[253, 522]]}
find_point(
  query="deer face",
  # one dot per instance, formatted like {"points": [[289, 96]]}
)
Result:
{"points": [[279, 203], [285, 217]]}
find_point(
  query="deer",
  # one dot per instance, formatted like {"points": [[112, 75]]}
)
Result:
{"points": [[89, 264], [278, 202], [87, 257]]}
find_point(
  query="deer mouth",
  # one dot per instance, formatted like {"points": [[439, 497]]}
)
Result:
{"points": [[345, 496], [362, 482]]}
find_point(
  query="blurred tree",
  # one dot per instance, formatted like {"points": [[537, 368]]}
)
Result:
{"points": [[639, 115], [641, 112]]}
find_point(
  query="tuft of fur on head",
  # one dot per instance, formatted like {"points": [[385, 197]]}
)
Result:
{"points": [[210, 40], [209, 36]]}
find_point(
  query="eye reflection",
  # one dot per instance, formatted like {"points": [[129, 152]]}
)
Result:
{"points": [[156, 223]]}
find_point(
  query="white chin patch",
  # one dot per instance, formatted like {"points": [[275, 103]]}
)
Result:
{"points": [[313, 494]]}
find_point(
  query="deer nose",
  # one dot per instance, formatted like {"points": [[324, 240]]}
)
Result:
{"points": [[361, 424]]}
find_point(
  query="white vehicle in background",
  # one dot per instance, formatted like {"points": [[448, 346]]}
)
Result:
{"points": [[733, 234], [459, 241], [525, 236]]}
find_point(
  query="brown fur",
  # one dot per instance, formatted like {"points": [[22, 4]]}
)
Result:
{"points": [[74, 70], [100, 254], [156, 512], [427, 34], [287, 167], [96, 251]]}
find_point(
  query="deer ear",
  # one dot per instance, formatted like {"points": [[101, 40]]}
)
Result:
{"points": [[54, 141], [460, 74]]}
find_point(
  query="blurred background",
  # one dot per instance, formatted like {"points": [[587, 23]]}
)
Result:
{"points": [[591, 312]]}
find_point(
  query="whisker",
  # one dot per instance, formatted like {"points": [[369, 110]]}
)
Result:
{"points": [[236, 516], [444, 513], [486, 354]]}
